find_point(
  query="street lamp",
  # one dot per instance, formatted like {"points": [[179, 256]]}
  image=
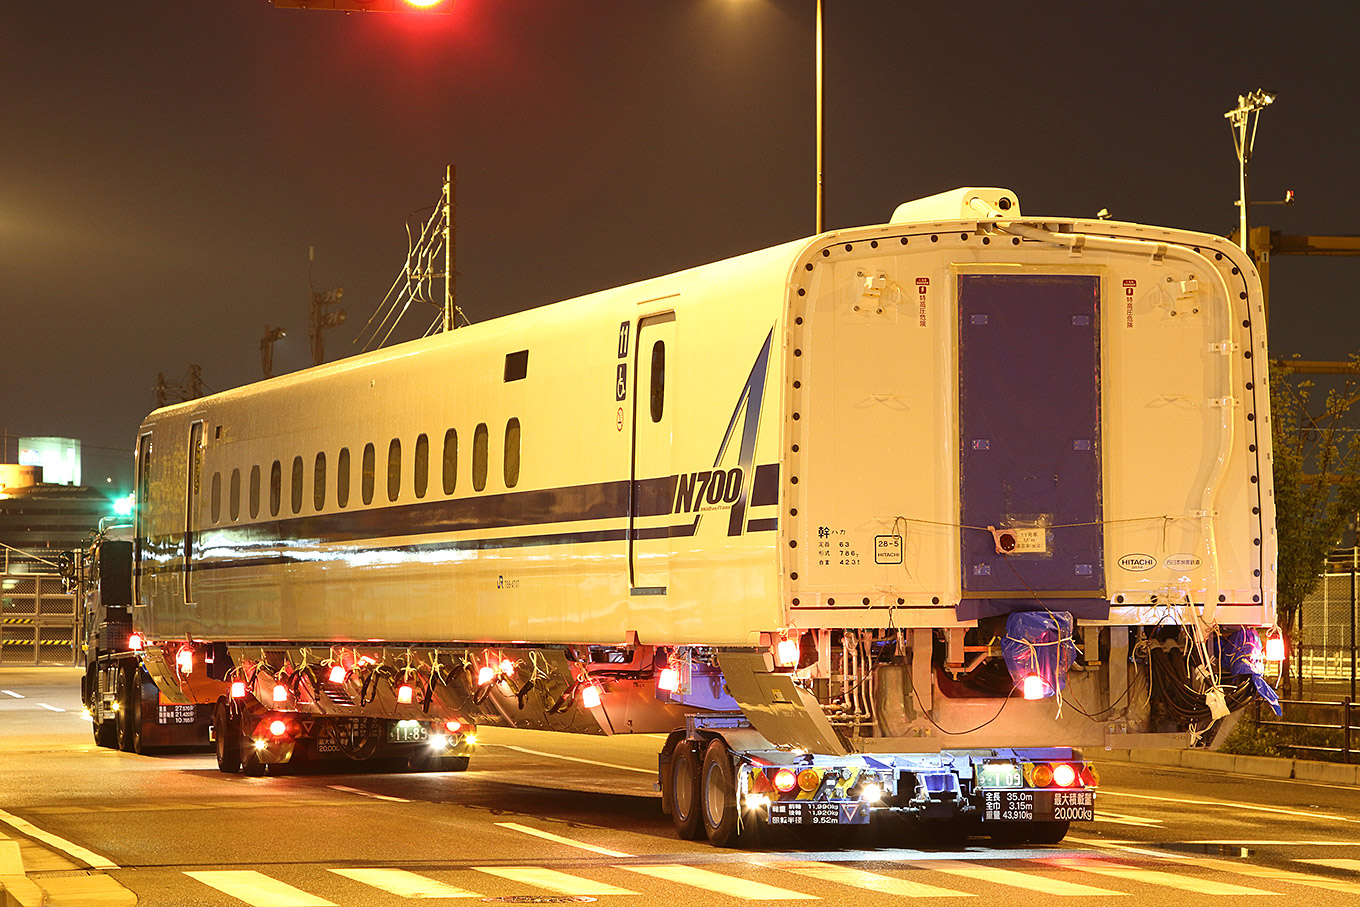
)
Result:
{"points": [[1243, 119]]}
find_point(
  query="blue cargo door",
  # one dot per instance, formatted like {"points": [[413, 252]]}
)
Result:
{"points": [[1029, 451]]}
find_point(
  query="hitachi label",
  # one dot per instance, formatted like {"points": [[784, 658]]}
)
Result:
{"points": [[1137, 562], [1181, 562]]}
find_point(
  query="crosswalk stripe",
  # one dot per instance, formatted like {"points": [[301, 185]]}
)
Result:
{"points": [[406, 884], [1335, 863], [868, 881], [1152, 876], [720, 883], [257, 889], [1279, 875], [551, 879], [1026, 881]]}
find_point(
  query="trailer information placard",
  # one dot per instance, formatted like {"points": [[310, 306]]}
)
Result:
{"points": [[818, 812], [1038, 806]]}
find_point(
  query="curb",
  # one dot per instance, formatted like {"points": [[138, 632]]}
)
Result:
{"points": [[1260, 766]]}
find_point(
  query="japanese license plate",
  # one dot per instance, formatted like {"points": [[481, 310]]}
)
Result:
{"points": [[1039, 805], [819, 812], [407, 733]]}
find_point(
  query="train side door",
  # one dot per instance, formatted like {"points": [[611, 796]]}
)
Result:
{"points": [[652, 482], [193, 475]]}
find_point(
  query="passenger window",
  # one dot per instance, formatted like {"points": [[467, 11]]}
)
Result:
{"points": [[370, 469], [658, 379], [479, 457], [254, 491], [450, 461], [234, 495], [319, 482], [275, 488], [512, 453], [342, 478], [297, 485], [394, 470], [216, 496], [422, 479]]}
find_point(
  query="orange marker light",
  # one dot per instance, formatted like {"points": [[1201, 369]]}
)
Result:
{"points": [[507, 667], [280, 693], [453, 725], [590, 696], [1034, 687], [485, 675], [337, 674], [1275, 647], [669, 680], [786, 653], [185, 661], [135, 642], [404, 693], [238, 689]]}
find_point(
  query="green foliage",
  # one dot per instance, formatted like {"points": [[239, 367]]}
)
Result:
{"points": [[1250, 739], [1316, 455]]}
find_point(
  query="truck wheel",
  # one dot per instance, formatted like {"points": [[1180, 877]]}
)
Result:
{"points": [[106, 734], [123, 720], [684, 793], [719, 789], [134, 724], [228, 741], [250, 760]]}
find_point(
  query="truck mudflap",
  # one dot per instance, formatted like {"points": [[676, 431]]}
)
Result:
{"points": [[998, 786]]}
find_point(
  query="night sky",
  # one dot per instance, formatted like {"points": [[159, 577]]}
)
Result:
{"points": [[165, 164]]}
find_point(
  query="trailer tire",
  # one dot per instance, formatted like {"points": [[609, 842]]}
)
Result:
{"points": [[106, 734], [685, 799], [250, 763], [718, 783], [127, 717], [229, 740]]}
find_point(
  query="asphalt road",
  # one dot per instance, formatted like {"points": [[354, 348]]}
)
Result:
{"points": [[550, 818]]}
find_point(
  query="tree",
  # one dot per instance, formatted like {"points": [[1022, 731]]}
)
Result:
{"points": [[1317, 485]]}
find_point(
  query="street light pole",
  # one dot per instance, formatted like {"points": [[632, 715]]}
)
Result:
{"points": [[820, 194], [1243, 119]]}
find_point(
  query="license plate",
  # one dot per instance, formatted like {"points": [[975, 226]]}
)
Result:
{"points": [[1039, 806], [819, 812], [407, 734]]}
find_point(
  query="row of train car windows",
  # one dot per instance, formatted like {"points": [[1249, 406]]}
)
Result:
{"points": [[368, 474]]}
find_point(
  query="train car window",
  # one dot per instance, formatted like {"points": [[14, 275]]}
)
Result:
{"points": [[254, 491], [450, 461], [394, 469], [512, 453], [216, 497], [516, 365], [422, 464], [296, 488], [275, 488], [370, 469], [658, 379], [234, 495], [479, 457], [342, 478], [319, 482]]}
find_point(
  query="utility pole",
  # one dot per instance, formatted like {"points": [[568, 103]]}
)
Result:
{"points": [[322, 319], [1243, 120], [450, 258]]}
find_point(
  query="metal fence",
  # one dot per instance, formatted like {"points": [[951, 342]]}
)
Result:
{"points": [[37, 616]]}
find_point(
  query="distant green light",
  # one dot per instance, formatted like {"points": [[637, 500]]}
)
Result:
{"points": [[123, 506]]}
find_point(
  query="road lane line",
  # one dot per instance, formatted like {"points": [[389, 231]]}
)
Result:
{"points": [[1152, 876], [867, 881], [1122, 819], [1229, 804], [68, 847], [1279, 875], [720, 884], [549, 836], [11, 693], [1014, 879], [1124, 846], [405, 884], [520, 749], [257, 889], [551, 879], [1235, 842], [367, 793], [50, 708], [1338, 863]]}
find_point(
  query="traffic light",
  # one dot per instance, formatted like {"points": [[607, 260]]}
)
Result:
{"points": [[370, 6]]}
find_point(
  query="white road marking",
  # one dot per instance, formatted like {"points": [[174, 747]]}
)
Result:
{"points": [[1340, 863], [50, 708], [1279, 875], [1152, 876], [1122, 819], [405, 884], [366, 793], [1229, 804], [622, 768], [1234, 843], [258, 889], [552, 880], [549, 836], [75, 850], [868, 881], [1124, 846], [1014, 879], [719, 883], [11, 693]]}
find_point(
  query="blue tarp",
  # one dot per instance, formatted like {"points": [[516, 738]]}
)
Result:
{"points": [[1239, 655], [1039, 642]]}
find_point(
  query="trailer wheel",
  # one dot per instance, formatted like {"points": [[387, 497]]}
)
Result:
{"points": [[719, 787], [106, 734], [124, 721], [685, 799], [250, 762], [228, 739]]}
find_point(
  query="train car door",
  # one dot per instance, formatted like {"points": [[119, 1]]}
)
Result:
{"points": [[653, 476], [194, 475]]}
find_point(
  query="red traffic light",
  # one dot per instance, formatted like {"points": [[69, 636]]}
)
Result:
{"points": [[370, 6]]}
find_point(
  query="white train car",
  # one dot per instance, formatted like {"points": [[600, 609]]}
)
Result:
{"points": [[821, 511]]}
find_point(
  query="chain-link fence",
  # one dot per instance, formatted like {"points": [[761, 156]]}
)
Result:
{"points": [[37, 616]]}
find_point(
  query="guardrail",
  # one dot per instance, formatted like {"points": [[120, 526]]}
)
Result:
{"points": [[1318, 736]]}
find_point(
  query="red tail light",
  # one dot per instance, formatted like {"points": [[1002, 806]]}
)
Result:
{"points": [[1064, 775], [278, 727], [785, 780], [404, 693]]}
